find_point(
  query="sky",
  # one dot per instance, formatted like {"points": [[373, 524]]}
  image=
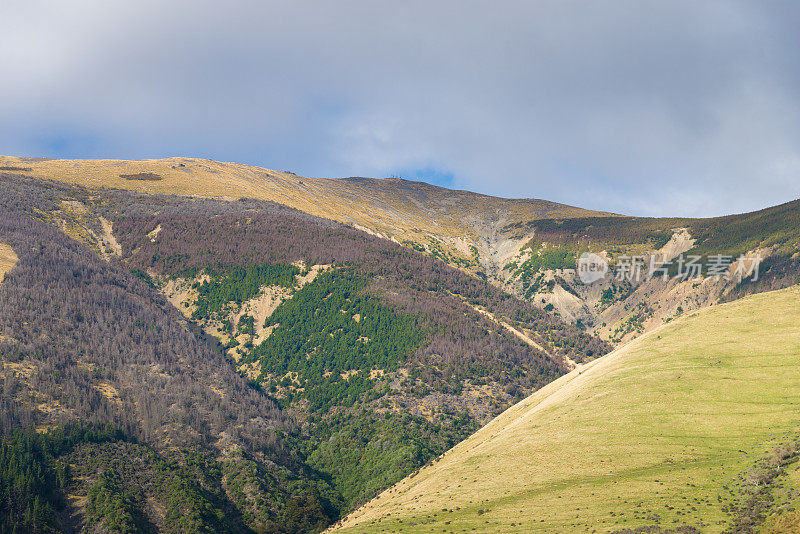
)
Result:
{"points": [[660, 108]]}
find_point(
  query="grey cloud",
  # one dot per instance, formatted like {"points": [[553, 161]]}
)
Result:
{"points": [[658, 108]]}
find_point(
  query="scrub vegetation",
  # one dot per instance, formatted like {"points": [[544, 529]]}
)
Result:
{"points": [[369, 371]]}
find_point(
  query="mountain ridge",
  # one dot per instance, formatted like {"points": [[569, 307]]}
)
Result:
{"points": [[383, 210], [370, 354], [527, 247]]}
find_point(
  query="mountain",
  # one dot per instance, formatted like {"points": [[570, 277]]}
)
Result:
{"points": [[438, 220], [114, 415], [528, 248], [177, 363], [693, 427], [621, 306], [189, 345]]}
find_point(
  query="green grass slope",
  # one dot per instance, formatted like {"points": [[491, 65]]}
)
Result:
{"points": [[692, 425]]}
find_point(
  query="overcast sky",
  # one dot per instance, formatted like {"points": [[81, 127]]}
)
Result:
{"points": [[645, 108]]}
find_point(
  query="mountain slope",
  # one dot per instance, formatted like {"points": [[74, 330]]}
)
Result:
{"points": [[302, 364], [695, 424], [526, 247], [313, 364], [95, 363], [620, 307], [378, 345], [441, 221]]}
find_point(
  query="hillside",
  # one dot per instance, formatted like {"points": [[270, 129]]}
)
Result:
{"points": [[619, 307], [113, 413], [463, 228], [303, 365], [694, 426], [526, 247]]}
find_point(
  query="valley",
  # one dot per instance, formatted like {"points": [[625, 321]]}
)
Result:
{"points": [[333, 363], [400, 267], [692, 426], [319, 364]]}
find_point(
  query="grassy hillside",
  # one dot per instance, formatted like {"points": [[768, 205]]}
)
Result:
{"points": [[693, 425]]}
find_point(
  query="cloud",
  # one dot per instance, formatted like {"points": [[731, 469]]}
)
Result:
{"points": [[651, 108]]}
